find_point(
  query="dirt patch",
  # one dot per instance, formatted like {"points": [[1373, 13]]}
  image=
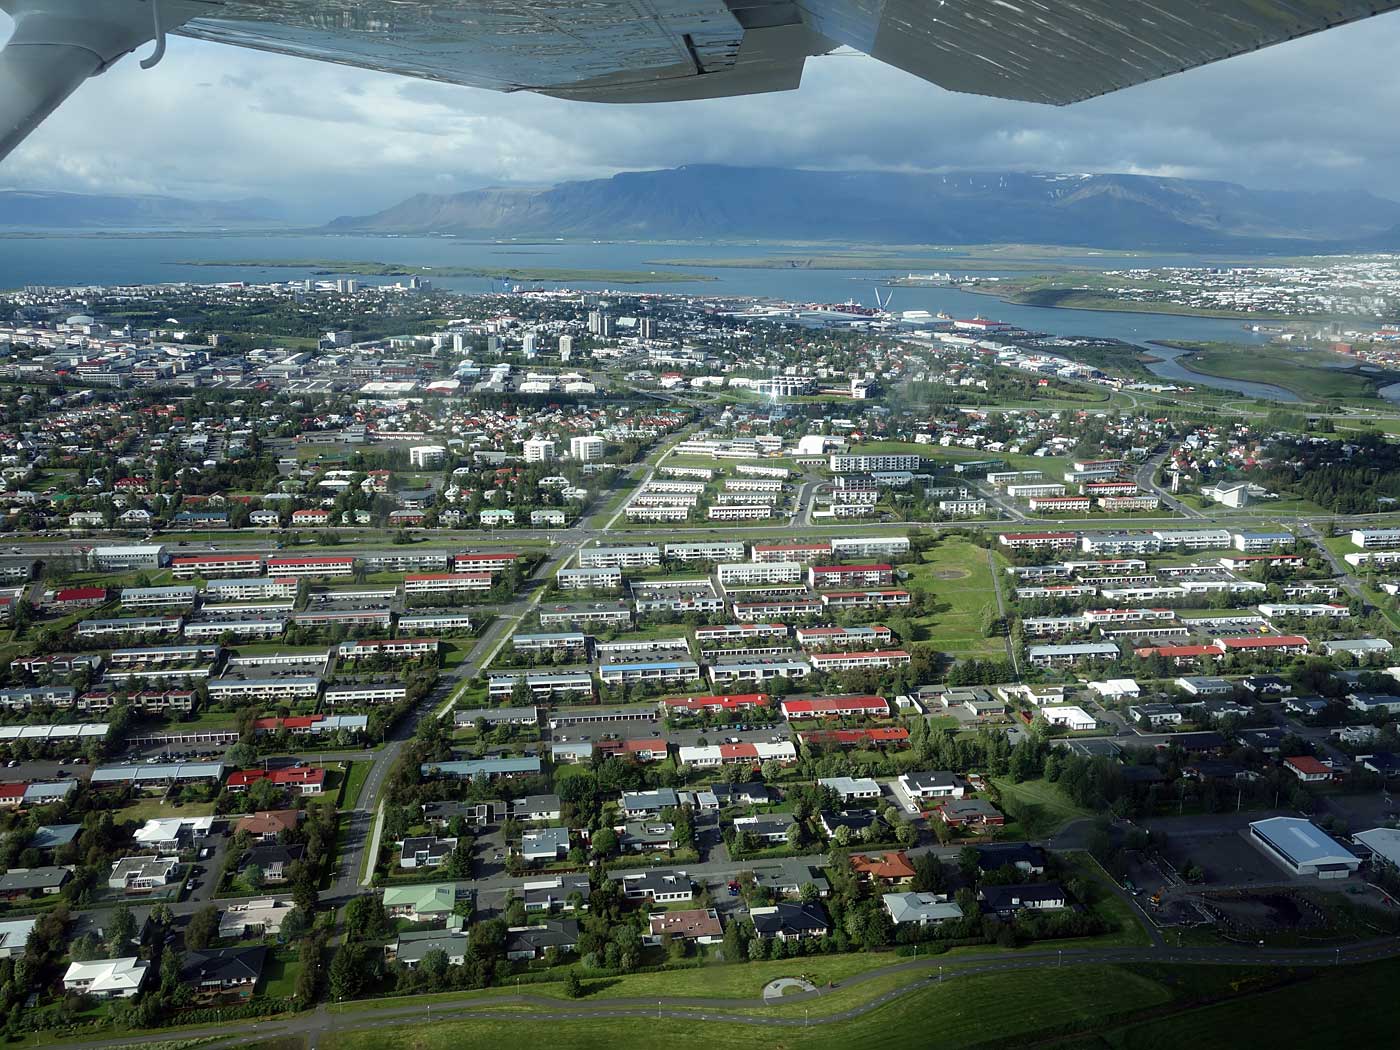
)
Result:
{"points": [[951, 574]]}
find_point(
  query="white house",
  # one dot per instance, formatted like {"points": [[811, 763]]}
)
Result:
{"points": [[1073, 718], [1115, 689], [106, 978]]}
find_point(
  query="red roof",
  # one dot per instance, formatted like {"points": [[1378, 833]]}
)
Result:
{"points": [[737, 751], [736, 700], [197, 559], [272, 724], [850, 568], [448, 576], [834, 705], [1307, 764], [892, 865], [81, 594], [795, 547], [298, 776], [504, 556], [1176, 650], [12, 790], [328, 560], [1038, 535], [1263, 641]]}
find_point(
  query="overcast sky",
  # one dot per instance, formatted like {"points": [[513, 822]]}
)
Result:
{"points": [[219, 122]]}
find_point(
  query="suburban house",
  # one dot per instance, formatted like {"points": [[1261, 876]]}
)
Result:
{"points": [[641, 836], [851, 789], [546, 844], [272, 859], [424, 851], [106, 978], [219, 972], [413, 946], [536, 807], [266, 824], [559, 892], [1034, 896], [886, 868], [421, 903], [658, 885], [970, 812], [143, 874], [638, 805], [14, 937], [1308, 769], [701, 925], [1020, 855], [789, 921], [531, 942], [920, 909], [769, 828], [932, 784], [254, 918], [26, 882]]}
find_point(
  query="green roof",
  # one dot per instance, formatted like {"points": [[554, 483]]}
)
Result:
{"points": [[424, 898]]}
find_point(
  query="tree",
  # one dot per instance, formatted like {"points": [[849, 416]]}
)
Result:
{"points": [[346, 974], [794, 835], [573, 987], [604, 842], [929, 876], [253, 876], [202, 929], [295, 924], [121, 929]]}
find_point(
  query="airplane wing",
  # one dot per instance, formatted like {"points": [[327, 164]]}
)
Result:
{"points": [[1050, 51]]}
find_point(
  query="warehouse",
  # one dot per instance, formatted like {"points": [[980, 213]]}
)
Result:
{"points": [[1303, 848]]}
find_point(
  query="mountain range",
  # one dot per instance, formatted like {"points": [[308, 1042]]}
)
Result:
{"points": [[717, 202], [44, 210]]}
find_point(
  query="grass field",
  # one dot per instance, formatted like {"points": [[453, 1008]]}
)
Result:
{"points": [[146, 809], [355, 778], [999, 1009], [1038, 806], [1309, 374], [1346, 1001], [956, 573]]}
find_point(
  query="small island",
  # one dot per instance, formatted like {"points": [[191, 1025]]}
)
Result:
{"points": [[555, 275]]}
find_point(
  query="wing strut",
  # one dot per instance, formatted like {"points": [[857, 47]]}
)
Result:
{"points": [[58, 44]]}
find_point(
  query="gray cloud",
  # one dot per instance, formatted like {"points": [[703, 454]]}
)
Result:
{"points": [[221, 122]]}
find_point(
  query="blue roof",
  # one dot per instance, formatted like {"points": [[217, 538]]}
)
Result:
{"points": [[658, 665]]}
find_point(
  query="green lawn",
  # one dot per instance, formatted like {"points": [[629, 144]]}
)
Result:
{"points": [[1038, 806], [1002, 1009], [146, 809], [281, 974], [1306, 373], [958, 577], [1348, 1002], [355, 778]]}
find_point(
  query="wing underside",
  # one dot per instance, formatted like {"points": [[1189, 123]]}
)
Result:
{"points": [[1051, 51]]}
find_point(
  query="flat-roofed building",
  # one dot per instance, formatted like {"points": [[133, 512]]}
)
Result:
{"points": [[635, 557], [600, 579], [1303, 848]]}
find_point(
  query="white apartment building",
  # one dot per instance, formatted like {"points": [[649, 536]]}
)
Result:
{"points": [[638, 557], [746, 574], [586, 448]]}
